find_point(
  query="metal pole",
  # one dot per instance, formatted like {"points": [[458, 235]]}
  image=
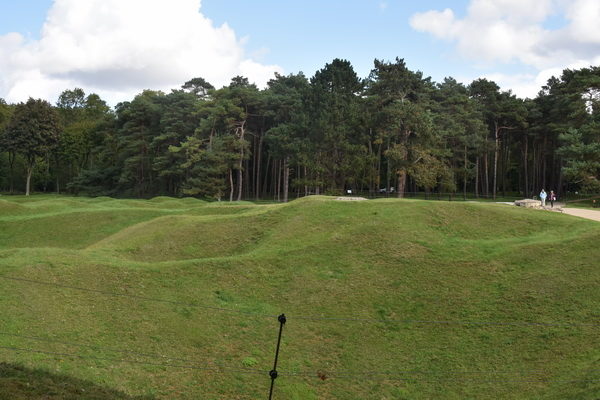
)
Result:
{"points": [[273, 372]]}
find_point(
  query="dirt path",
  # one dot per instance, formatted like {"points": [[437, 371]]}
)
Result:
{"points": [[577, 212], [583, 213]]}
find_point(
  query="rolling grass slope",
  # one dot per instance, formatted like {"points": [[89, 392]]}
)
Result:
{"points": [[405, 299]]}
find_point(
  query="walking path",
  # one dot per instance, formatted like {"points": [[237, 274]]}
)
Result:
{"points": [[583, 213], [577, 212]]}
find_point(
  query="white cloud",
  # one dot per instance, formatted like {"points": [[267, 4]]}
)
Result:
{"points": [[584, 16], [511, 31], [529, 85], [440, 24], [514, 11], [523, 85], [118, 48]]}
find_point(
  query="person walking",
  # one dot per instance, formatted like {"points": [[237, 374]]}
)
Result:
{"points": [[543, 196], [552, 198]]}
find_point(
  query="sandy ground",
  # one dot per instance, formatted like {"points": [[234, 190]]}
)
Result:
{"points": [[577, 212], [583, 213]]}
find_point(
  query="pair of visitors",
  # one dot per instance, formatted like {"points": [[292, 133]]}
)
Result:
{"points": [[551, 197]]}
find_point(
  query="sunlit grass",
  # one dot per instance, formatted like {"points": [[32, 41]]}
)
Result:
{"points": [[389, 260]]}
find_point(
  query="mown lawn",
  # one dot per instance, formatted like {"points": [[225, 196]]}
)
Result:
{"points": [[385, 299]]}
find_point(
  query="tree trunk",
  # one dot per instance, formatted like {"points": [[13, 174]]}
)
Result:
{"points": [[265, 189], [305, 183], [559, 190], [241, 130], [240, 175], [298, 176], [525, 169], [388, 177], [487, 175], [371, 170], [28, 181], [286, 179], [378, 179], [505, 162], [544, 162], [503, 169], [258, 162], [247, 179], [401, 183], [11, 163], [230, 185], [277, 179], [465, 175], [210, 138], [496, 151], [252, 185], [317, 184], [536, 171], [477, 177], [47, 173]]}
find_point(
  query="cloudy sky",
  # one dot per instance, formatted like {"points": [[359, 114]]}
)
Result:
{"points": [[119, 47]]}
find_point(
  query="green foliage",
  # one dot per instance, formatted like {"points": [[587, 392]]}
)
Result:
{"points": [[5, 114], [138, 124], [578, 125], [461, 127], [206, 164], [33, 131], [335, 121], [327, 134], [581, 150], [198, 86], [179, 120], [402, 99]]}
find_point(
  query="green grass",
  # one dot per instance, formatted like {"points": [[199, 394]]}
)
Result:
{"points": [[589, 204], [18, 383], [389, 260]]}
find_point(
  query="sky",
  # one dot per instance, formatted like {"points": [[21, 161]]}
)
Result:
{"points": [[117, 48]]}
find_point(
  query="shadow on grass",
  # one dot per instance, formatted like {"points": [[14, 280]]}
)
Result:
{"points": [[20, 383]]}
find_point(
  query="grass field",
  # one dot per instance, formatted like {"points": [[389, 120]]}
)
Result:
{"points": [[177, 299]]}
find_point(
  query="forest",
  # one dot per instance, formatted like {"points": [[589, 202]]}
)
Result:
{"points": [[392, 133]]}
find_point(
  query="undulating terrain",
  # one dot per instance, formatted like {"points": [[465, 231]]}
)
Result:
{"points": [[166, 298]]}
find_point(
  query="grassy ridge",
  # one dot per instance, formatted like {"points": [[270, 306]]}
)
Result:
{"points": [[384, 259]]}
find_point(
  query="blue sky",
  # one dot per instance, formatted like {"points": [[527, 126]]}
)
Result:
{"points": [[119, 47], [25, 16], [303, 36]]}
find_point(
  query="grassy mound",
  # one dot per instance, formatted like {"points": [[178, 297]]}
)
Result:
{"points": [[9, 207], [185, 237], [18, 383], [385, 299]]}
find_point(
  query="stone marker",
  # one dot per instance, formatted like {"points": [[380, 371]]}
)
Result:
{"points": [[529, 203]]}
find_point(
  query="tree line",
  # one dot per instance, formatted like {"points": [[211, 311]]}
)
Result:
{"points": [[394, 131]]}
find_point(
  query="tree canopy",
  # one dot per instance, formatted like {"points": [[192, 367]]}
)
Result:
{"points": [[395, 131]]}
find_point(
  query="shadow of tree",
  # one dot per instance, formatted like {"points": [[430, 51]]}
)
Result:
{"points": [[20, 383]]}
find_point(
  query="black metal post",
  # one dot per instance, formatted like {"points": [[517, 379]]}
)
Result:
{"points": [[273, 372]]}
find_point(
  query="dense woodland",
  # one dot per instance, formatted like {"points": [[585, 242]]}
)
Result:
{"points": [[324, 135]]}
